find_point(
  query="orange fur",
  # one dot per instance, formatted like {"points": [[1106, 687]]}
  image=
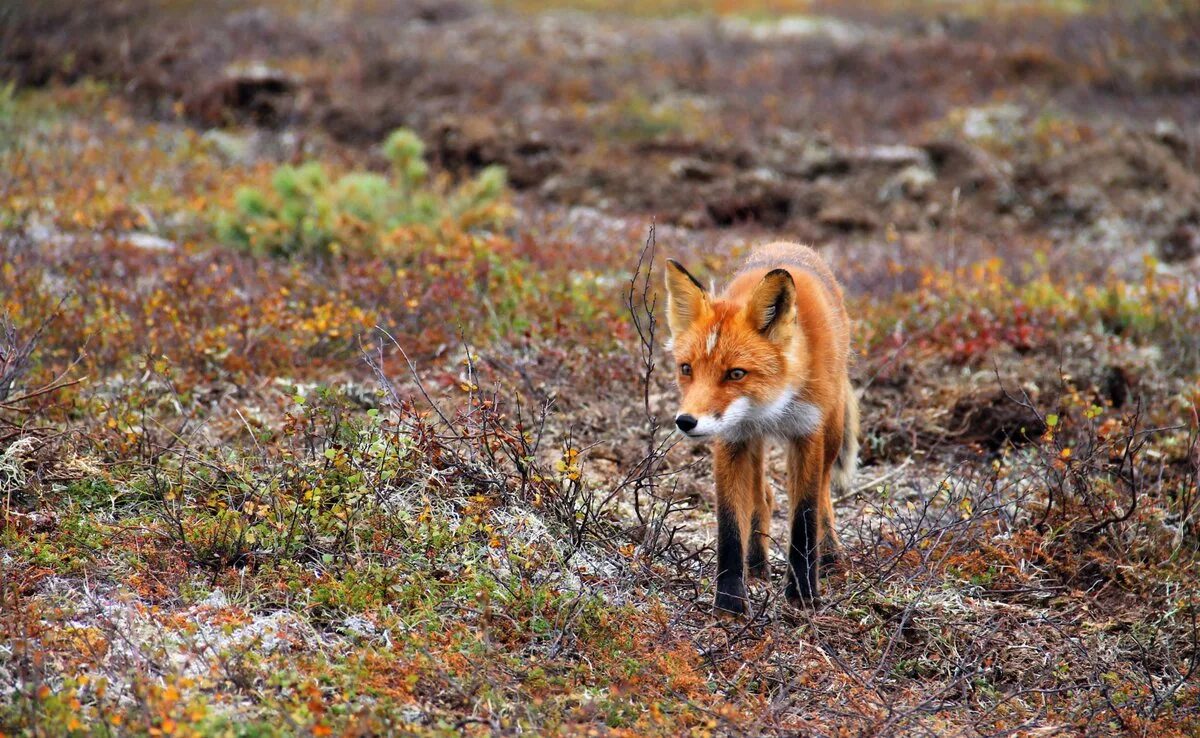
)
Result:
{"points": [[768, 357]]}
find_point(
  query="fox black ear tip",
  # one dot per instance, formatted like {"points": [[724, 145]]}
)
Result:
{"points": [[779, 272], [680, 268]]}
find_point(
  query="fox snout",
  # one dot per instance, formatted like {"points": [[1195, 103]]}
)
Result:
{"points": [[703, 426], [727, 421], [685, 422]]}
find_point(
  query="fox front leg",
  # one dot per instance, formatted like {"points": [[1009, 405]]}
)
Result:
{"points": [[805, 484], [738, 469], [760, 531]]}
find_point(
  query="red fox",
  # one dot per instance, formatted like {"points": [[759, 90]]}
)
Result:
{"points": [[768, 357]]}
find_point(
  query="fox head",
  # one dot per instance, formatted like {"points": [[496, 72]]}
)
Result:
{"points": [[735, 359]]}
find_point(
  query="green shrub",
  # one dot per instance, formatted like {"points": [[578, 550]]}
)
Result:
{"points": [[305, 213]]}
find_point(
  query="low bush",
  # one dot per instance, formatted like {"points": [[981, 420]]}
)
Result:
{"points": [[308, 213]]}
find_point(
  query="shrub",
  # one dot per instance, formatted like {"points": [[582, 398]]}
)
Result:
{"points": [[306, 213]]}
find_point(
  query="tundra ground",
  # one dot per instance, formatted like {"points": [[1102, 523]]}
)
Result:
{"points": [[311, 428]]}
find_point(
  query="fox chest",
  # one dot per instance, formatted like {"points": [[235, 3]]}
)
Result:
{"points": [[787, 417]]}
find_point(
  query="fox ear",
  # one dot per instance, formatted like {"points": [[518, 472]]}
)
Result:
{"points": [[772, 302], [687, 300]]}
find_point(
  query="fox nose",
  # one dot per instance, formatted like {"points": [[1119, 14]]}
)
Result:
{"points": [[685, 422]]}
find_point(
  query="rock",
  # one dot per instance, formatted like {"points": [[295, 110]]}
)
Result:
{"points": [[888, 155], [764, 175], [995, 123], [1183, 242], [553, 186], [216, 599], [695, 170], [818, 157], [1168, 132], [357, 625], [149, 242], [912, 182], [797, 26]]}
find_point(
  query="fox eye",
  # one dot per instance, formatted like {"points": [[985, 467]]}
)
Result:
{"points": [[735, 374], [685, 370]]}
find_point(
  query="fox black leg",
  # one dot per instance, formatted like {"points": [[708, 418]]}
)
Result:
{"points": [[756, 559], [738, 472], [803, 556], [731, 562]]}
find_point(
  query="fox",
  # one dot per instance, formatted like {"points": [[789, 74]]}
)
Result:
{"points": [[768, 358]]}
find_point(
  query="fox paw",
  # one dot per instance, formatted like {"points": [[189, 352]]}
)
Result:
{"points": [[731, 599], [802, 600], [759, 569]]}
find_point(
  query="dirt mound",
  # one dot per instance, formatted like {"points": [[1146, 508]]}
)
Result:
{"points": [[1131, 175], [992, 420], [259, 93]]}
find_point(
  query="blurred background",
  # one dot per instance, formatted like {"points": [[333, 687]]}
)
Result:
{"points": [[1072, 122]]}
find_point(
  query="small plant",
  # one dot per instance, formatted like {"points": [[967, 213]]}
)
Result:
{"points": [[8, 114], [306, 213]]}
